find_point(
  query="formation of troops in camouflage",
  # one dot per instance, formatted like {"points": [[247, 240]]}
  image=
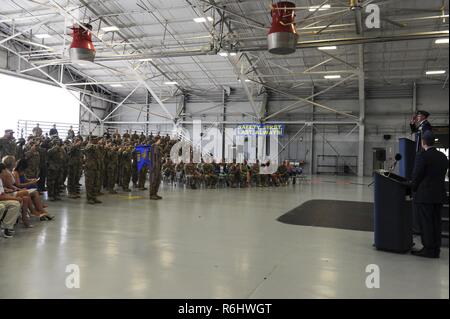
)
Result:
{"points": [[106, 162], [110, 163]]}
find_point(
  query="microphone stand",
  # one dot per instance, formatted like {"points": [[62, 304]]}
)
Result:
{"points": [[389, 172]]}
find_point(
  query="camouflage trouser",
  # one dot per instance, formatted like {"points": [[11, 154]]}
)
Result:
{"points": [[106, 177], [99, 180], [42, 178], [126, 177], [265, 179], [244, 179], [135, 174], [170, 175], [53, 182], [234, 179], [111, 179], [210, 180], [73, 178], [90, 176], [31, 173], [155, 181], [193, 180], [142, 177], [65, 174], [257, 178]]}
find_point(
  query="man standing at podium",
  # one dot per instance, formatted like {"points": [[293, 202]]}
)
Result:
{"points": [[428, 186], [419, 125]]}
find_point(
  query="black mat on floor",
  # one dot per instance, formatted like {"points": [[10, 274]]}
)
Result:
{"points": [[332, 214]]}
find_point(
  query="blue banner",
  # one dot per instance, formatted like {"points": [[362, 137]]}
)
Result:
{"points": [[143, 156]]}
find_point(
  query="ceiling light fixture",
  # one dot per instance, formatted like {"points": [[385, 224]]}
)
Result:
{"points": [[321, 8], [116, 85], [224, 54], [110, 29], [43, 36], [203, 19], [327, 48], [441, 41], [330, 77], [435, 72], [171, 83]]}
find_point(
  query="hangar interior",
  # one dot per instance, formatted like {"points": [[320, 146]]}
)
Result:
{"points": [[348, 88]]}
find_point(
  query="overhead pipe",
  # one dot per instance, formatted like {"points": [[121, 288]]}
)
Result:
{"points": [[300, 45]]}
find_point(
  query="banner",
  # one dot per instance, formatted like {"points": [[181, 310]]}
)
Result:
{"points": [[260, 129], [143, 156]]}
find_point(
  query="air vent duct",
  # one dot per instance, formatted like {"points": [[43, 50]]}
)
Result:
{"points": [[82, 48], [283, 36]]}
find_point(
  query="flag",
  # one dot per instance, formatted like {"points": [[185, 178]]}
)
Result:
{"points": [[143, 156]]}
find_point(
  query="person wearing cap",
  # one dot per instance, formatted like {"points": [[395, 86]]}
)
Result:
{"points": [[429, 194], [7, 144], [419, 124], [70, 133], [37, 131], [53, 131]]}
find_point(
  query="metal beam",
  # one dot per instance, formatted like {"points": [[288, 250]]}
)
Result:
{"points": [[121, 103], [310, 97], [362, 111], [26, 30]]}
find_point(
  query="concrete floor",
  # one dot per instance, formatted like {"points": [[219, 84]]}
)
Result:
{"points": [[209, 244]]}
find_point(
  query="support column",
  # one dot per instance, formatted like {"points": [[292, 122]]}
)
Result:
{"points": [[224, 118], [414, 99], [147, 117], [311, 137], [362, 110], [262, 114]]}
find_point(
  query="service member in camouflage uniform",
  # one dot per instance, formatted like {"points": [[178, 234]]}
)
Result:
{"points": [[244, 178], [209, 175], [112, 162], [192, 175], [44, 146], [255, 173], [155, 169], [134, 167], [100, 153], [126, 168], [91, 171], [169, 170], [54, 168], [33, 160], [7, 144], [74, 165], [234, 174]]}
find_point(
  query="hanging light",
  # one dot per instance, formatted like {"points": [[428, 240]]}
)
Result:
{"points": [[82, 48], [283, 36]]}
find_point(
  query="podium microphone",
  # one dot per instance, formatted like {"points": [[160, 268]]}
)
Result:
{"points": [[398, 158]]}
